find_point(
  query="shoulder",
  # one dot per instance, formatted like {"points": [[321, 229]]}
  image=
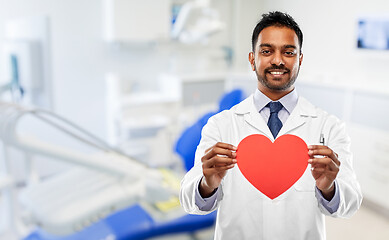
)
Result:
{"points": [[327, 119], [243, 107]]}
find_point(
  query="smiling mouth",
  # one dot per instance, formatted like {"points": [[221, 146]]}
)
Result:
{"points": [[277, 73]]}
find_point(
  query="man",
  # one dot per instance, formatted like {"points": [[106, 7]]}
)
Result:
{"points": [[327, 187]]}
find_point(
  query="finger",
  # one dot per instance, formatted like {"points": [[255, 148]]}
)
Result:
{"points": [[312, 147], [223, 168], [333, 166], [222, 165], [323, 151], [320, 150], [318, 170], [218, 161], [208, 149], [226, 146], [317, 165], [323, 161], [327, 162], [336, 160], [222, 145], [218, 151], [211, 171]]}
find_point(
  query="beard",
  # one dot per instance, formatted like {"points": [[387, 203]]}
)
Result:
{"points": [[263, 79]]}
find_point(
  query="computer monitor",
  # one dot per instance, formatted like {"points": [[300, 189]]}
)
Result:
{"points": [[373, 33]]}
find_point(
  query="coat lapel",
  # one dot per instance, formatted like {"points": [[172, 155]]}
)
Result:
{"points": [[297, 118], [252, 117]]}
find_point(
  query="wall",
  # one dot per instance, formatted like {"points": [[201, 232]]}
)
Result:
{"points": [[80, 58], [329, 29], [77, 54]]}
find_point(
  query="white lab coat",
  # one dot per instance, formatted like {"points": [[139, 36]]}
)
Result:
{"points": [[243, 211]]}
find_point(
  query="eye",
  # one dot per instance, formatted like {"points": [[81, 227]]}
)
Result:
{"points": [[265, 52], [290, 53]]}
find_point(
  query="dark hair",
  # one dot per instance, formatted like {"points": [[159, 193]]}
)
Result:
{"points": [[278, 19]]}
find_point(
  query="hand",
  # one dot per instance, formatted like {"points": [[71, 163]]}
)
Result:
{"points": [[216, 161], [324, 169]]}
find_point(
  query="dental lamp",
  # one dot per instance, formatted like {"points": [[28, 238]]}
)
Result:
{"points": [[103, 182], [196, 21]]}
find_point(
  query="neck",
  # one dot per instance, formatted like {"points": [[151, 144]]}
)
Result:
{"points": [[275, 95]]}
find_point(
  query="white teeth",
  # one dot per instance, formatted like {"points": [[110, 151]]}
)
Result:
{"points": [[277, 73]]}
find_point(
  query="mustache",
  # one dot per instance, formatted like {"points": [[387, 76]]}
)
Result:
{"points": [[275, 67]]}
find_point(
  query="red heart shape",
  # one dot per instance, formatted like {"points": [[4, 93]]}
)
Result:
{"points": [[272, 168]]}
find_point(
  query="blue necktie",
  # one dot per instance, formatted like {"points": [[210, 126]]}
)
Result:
{"points": [[274, 122]]}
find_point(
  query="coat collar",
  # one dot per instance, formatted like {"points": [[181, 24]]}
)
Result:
{"points": [[289, 101], [298, 116]]}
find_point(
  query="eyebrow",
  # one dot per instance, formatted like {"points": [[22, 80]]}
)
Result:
{"points": [[270, 45], [265, 45], [290, 46]]}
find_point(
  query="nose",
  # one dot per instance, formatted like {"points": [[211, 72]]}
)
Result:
{"points": [[277, 59]]}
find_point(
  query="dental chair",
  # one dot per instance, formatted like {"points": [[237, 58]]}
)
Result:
{"points": [[230, 99], [187, 143], [107, 196]]}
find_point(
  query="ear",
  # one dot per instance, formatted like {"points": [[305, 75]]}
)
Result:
{"points": [[300, 59], [252, 60]]}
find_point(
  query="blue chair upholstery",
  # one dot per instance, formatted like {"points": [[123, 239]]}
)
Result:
{"points": [[135, 223], [132, 223], [187, 143], [230, 99]]}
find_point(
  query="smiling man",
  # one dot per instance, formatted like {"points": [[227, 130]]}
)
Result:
{"points": [[277, 60], [327, 187]]}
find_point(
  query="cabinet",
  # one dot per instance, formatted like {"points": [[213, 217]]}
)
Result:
{"points": [[134, 21], [146, 124]]}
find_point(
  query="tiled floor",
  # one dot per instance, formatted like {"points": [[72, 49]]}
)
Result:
{"points": [[366, 224]]}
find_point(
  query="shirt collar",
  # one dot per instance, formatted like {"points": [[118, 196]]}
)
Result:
{"points": [[289, 101]]}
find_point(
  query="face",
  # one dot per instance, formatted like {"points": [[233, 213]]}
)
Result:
{"points": [[276, 60]]}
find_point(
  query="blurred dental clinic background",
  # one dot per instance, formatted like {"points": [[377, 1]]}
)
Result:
{"points": [[102, 103]]}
